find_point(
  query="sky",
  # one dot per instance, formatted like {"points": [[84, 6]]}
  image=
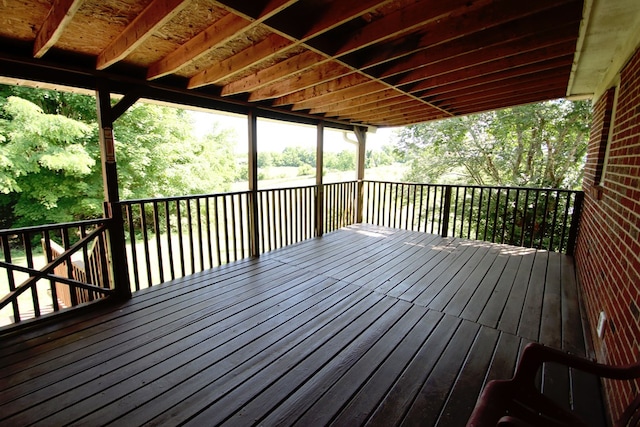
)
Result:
{"points": [[276, 135]]}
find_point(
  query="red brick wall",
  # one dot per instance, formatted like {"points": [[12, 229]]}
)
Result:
{"points": [[608, 248]]}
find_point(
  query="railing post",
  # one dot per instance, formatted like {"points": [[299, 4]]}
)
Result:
{"points": [[319, 226], [575, 223], [446, 210], [254, 231], [112, 207], [361, 134]]}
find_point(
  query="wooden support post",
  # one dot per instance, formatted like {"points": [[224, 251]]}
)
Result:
{"points": [[319, 183], [254, 231], [112, 209], [361, 134], [446, 210]]}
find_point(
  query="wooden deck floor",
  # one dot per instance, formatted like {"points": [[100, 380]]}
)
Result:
{"points": [[365, 325]]}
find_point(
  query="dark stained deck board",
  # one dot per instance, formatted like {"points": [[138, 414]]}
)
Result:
{"points": [[366, 325]]}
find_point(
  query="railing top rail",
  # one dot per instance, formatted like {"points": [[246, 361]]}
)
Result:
{"points": [[264, 190], [49, 227], [501, 187], [178, 198]]}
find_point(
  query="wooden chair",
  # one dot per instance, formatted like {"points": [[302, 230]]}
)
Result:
{"points": [[517, 402]]}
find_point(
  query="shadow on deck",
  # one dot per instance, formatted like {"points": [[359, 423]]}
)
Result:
{"points": [[366, 325]]}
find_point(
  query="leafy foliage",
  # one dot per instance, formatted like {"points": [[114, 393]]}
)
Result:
{"points": [[50, 167], [541, 145]]}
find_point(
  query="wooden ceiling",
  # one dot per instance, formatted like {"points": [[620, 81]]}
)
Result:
{"points": [[369, 62]]}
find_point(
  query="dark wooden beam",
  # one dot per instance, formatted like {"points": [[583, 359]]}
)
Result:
{"points": [[111, 192]]}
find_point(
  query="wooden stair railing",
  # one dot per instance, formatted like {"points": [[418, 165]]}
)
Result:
{"points": [[95, 271]]}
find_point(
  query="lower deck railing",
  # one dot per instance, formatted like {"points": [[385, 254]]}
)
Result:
{"points": [[169, 238], [528, 217]]}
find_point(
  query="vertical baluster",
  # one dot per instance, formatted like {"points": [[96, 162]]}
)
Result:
{"points": [[241, 224], [180, 237], [192, 256], [216, 214], [495, 216], [207, 219], [48, 258], [200, 235], [291, 222], [553, 221], [436, 190], [145, 241], [471, 209], [543, 227], [515, 218], [167, 214], [412, 190], [64, 234], [225, 221], [11, 278], [156, 230], [486, 215], [426, 209], [274, 221], [455, 211], [234, 235], [132, 239], [525, 211], [462, 211], [26, 242], [535, 218], [504, 214], [479, 213], [89, 268]]}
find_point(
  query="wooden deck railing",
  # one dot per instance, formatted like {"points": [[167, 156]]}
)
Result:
{"points": [[172, 237], [528, 217], [169, 238], [35, 284]]}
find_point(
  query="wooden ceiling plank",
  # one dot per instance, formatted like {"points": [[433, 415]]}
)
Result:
{"points": [[553, 93], [344, 87], [528, 58], [316, 75], [358, 101], [267, 75], [389, 111], [496, 41], [406, 20], [368, 107], [495, 14], [495, 85], [156, 14], [410, 121], [478, 81], [340, 12], [255, 10], [329, 18], [396, 113], [214, 36], [488, 54], [59, 16], [507, 90], [395, 99], [240, 61]]}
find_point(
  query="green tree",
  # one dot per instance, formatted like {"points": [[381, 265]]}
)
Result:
{"points": [[44, 161], [541, 145], [50, 158]]}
